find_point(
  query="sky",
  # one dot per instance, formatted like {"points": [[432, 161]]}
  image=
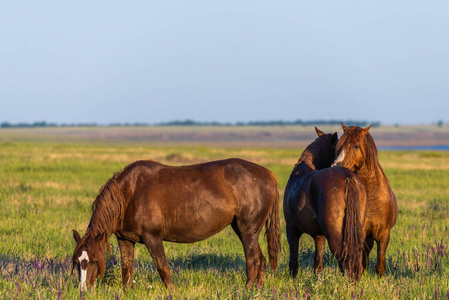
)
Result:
{"points": [[227, 61]]}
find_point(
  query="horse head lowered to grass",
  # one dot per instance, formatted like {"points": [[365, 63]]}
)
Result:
{"points": [[149, 202], [326, 203], [357, 151]]}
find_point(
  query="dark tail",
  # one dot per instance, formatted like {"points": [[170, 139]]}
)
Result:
{"points": [[351, 253], [272, 229]]}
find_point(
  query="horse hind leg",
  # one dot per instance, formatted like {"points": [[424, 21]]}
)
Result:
{"points": [[251, 249], [293, 236], [320, 241], [127, 259], [335, 242], [260, 279], [156, 249]]}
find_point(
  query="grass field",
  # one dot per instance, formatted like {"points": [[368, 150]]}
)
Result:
{"points": [[47, 188]]}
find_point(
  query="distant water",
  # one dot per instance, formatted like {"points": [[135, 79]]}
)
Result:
{"points": [[435, 147]]}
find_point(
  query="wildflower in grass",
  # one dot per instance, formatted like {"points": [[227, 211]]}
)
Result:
{"points": [[306, 294], [19, 290], [59, 293]]}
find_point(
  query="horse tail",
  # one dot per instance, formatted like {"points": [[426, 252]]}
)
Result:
{"points": [[351, 253], [272, 229]]}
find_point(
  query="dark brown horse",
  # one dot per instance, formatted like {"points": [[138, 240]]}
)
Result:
{"points": [[326, 203], [357, 151], [149, 202]]}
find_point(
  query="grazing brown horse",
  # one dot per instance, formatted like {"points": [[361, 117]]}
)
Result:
{"points": [[326, 203], [149, 202], [357, 151]]}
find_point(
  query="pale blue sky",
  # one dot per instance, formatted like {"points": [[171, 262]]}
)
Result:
{"points": [[227, 61]]}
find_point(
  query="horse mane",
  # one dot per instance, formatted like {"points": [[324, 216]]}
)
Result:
{"points": [[371, 156], [319, 154], [108, 208]]}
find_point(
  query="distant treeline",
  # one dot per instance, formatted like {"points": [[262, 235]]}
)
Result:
{"points": [[270, 123], [195, 123]]}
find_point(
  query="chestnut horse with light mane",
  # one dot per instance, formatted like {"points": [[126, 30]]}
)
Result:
{"points": [[357, 151], [326, 203], [149, 202]]}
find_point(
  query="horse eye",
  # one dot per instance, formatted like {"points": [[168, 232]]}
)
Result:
{"points": [[356, 147]]}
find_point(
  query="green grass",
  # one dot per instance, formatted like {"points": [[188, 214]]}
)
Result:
{"points": [[47, 189]]}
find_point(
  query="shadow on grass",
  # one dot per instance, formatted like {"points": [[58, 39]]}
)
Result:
{"points": [[395, 266], [210, 261], [206, 262]]}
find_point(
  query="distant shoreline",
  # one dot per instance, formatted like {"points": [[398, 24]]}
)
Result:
{"points": [[421, 147], [413, 137]]}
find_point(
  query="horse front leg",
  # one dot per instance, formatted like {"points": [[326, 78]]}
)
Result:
{"points": [[369, 243], [382, 245], [127, 258], [320, 241], [156, 248]]}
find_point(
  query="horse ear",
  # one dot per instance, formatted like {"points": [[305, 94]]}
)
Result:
{"points": [[319, 132], [76, 236], [365, 130], [343, 126], [334, 138]]}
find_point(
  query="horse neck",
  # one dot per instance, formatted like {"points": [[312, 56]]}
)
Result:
{"points": [[97, 227], [374, 180], [305, 163], [303, 167], [93, 231], [315, 157]]}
